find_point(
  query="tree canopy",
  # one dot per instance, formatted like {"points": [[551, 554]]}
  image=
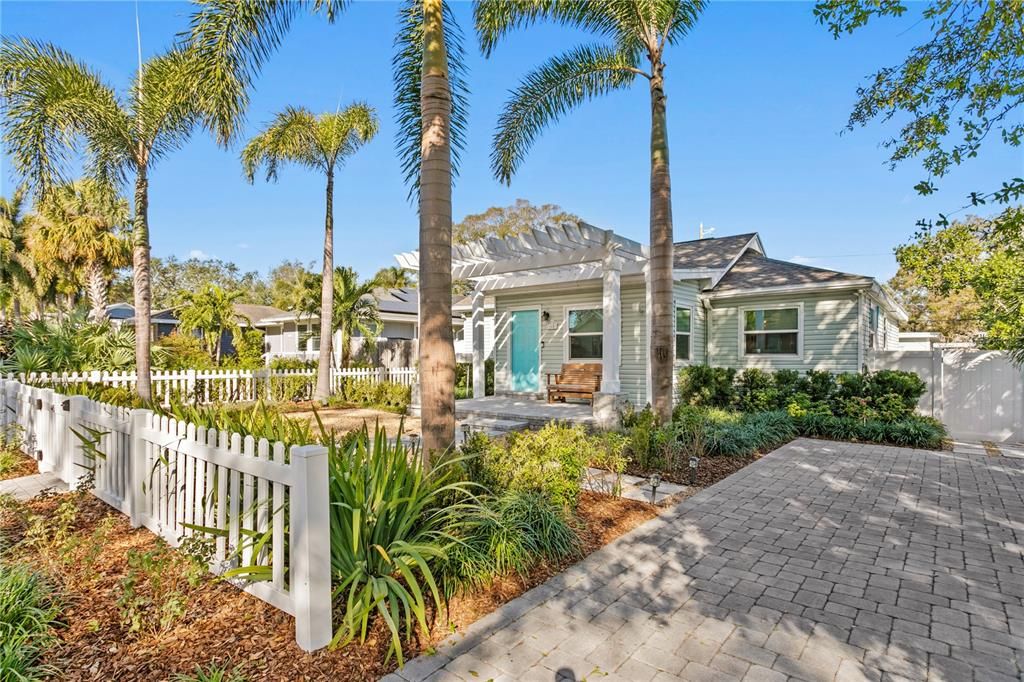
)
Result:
{"points": [[508, 221]]}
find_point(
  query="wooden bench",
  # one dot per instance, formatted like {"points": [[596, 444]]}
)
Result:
{"points": [[576, 380]]}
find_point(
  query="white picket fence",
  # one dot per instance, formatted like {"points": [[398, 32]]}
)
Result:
{"points": [[978, 395], [266, 505], [225, 385]]}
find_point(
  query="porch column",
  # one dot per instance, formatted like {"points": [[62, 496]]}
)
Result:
{"points": [[477, 329], [612, 324]]}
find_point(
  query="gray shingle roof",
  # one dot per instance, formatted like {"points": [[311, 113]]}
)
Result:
{"points": [[256, 312], [714, 253], [754, 271]]}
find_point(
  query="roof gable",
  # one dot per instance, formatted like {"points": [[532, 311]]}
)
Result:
{"points": [[713, 253]]}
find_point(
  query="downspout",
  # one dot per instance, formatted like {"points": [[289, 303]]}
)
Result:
{"points": [[706, 305], [860, 331]]}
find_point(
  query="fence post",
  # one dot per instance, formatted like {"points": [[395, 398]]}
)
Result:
{"points": [[135, 477], [44, 429], [310, 558], [72, 463]]}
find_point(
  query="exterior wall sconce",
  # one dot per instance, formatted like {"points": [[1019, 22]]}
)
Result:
{"points": [[546, 316]]}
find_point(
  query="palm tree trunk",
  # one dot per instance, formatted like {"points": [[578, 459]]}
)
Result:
{"points": [[662, 318], [96, 282], [323, 369], [143, 295], [346, 349], [16, 307], [437, 349]]}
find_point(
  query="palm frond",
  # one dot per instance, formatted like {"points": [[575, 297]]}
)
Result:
{"points": [[550, 91], [165, 100], [51, 101], [407, 69], [232, 39], [342, 133], [494, 19], [290, 137]]}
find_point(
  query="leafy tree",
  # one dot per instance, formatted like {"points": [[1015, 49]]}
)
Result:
{"points": [[320, 143], [959, 88], [171, 276], [248, 343], [82, 228], [955, 315], [234, 39], [282, 282], [211, 311], [54, 104], [978, 256], [508, 221], [637, 33], [395, 277], [14, 268]]}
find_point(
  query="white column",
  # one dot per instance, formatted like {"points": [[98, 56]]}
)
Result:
{"points": [[477, 329], [611, 271]]}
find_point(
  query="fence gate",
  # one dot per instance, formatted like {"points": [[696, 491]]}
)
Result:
{"points": [[978, 395]]}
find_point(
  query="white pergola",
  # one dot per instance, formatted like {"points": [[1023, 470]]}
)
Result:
{"points": [[555, 254]]}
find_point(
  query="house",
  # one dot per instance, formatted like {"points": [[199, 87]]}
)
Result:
{"points": [[162, 321], [577, 293]]}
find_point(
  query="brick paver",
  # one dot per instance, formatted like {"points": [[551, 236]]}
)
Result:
{"points": [[821, 561]]}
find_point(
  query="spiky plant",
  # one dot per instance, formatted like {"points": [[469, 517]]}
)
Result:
{"points": [[635, 36]]}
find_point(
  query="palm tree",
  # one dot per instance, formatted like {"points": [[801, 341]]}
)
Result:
{"points": [[321, 143], [210, 310], [233, 39], [636, 31], [395, 277], [53, 101], [355, 309], [14, 272], [80, 226]]}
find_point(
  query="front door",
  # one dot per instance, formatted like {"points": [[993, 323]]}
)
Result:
{"points": [[524, 350]]}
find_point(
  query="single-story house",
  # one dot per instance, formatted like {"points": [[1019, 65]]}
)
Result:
{"points": [[162, 321], [577, 293]]}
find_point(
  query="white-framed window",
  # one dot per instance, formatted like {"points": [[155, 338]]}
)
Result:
{"points": [[309, 336], [772, 330], [874, 313], [684, 326], [584, 333]]}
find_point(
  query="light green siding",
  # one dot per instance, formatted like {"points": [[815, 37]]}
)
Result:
{"points": [[829, 333], [554, 349], [687, 295]]}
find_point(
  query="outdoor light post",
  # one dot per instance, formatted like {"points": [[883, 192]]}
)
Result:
{"points": [[655, 481], [694, 461]]}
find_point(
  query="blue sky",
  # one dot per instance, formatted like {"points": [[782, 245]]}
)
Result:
{"points": [[757, 97]]}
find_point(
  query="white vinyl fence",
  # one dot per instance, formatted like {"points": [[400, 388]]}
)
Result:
{"points": [[225, 385], [978, 395], [266, 505]]}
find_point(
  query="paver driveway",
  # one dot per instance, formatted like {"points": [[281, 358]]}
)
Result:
{"points": [[821, 561]]}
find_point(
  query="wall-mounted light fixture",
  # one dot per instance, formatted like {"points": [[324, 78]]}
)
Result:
{"points": [[546, 316]]}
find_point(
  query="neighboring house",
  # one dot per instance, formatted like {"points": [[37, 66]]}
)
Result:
{"points": [[576, 293], [162, 322]]}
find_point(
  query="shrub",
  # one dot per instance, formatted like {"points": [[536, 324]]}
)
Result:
{"points": [[917, 432], [510, 533], [550, 462], [28, 612], [389, 522], [707, 386], [906, 386], [182, 352], [646, 444], [819, 385], [370, 393], [248, 344], [259, 421]]}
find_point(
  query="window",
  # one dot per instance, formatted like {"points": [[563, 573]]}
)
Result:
{"points": [[771, 331], [683, 316], [873, 314], [585, 327]]}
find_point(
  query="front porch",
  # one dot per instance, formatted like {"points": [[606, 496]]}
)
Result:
{"points": [[524, 409]]}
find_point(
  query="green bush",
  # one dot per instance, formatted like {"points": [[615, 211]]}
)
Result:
{"points": [[28, 612], [648, 445], [510, 533], [182, 352], [370, 393], [906, 386], [911, 431], [550, 462], [707, 386], [737, 434]]}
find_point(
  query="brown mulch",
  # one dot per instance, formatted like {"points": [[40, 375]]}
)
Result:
{"points": [[345, 419], [710, 470], [25, 466], [223, 625]]}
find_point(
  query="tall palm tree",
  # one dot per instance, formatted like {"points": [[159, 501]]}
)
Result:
{"points": [[322, 143], [637, 32], [53, 102], [14, 272], [81, 227], [234, 39]]}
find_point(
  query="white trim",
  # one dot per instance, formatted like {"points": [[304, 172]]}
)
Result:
{"points": [[715, 274], [540, 348], [693, 319], [648, 322], [566, 309], [860, 331], [792, 288], [741, 340]]}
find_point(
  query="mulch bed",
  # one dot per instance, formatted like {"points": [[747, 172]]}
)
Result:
{"points": [[26, 466], [223, 625], [710, 470]]}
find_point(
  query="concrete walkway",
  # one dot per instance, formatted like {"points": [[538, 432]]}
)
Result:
{"points": [[822, 561], [27, 487]]}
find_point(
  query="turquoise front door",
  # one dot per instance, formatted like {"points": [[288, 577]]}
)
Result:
{"points": [[524, 349]]}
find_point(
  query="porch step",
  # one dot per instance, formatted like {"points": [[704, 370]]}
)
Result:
{"points": [[489, 425], [496, 415]]}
